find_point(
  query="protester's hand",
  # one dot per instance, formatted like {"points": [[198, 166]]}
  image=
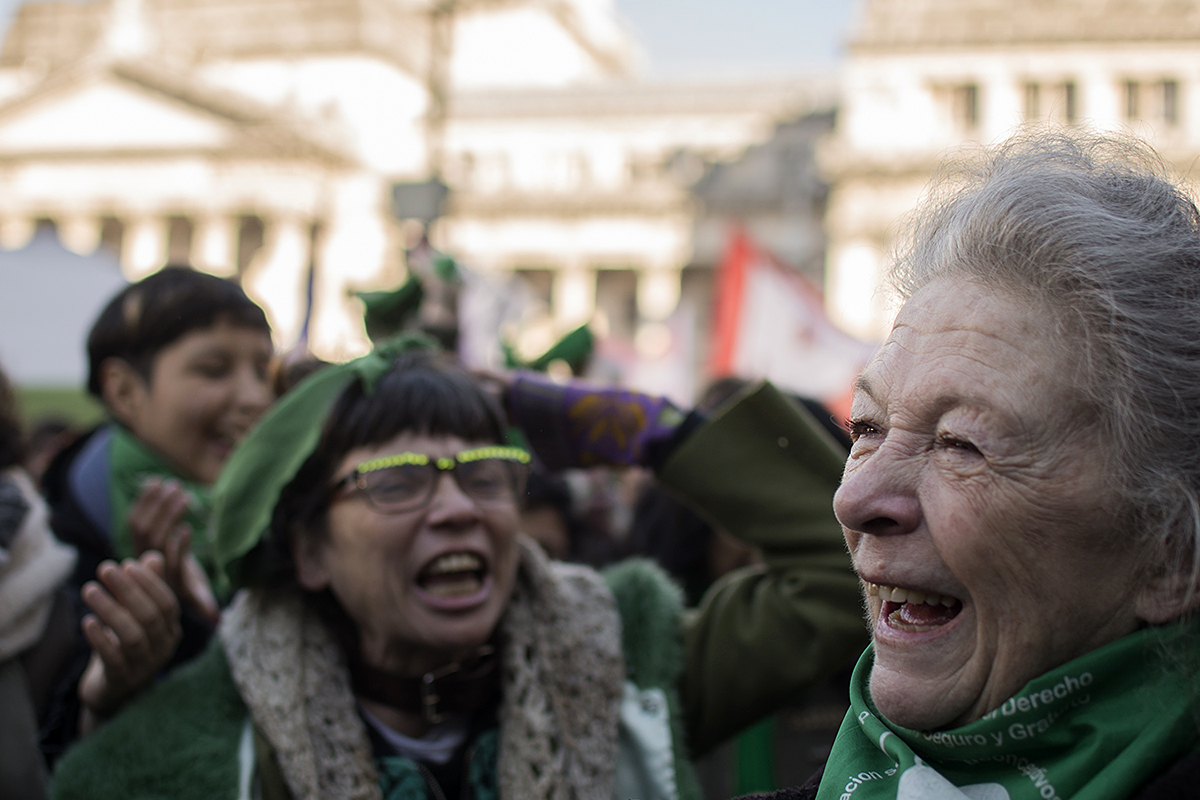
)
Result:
{"points": [[156, 515], [134, 630], [156, 523], [187, 577]]}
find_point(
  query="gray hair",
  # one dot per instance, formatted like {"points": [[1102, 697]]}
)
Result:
{"points": [[1092, 230]]}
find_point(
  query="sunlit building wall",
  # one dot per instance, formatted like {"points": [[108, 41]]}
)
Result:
{"points": [[585, 181], [261, 139], [923, 77]]}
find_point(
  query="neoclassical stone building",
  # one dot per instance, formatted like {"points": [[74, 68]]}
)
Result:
{"points": [[595, 182], [262, 139], [924, 76]]}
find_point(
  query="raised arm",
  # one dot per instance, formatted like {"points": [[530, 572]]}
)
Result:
{"points": [[765, 471]]}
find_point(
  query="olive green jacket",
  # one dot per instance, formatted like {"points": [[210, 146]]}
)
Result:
{"points": [[765, 471]]}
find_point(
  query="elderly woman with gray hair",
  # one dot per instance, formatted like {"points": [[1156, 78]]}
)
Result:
{"points": [[1022, 500]]}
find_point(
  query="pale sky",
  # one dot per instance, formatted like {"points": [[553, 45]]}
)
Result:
{"points": [[718, 38], [711, 38]]}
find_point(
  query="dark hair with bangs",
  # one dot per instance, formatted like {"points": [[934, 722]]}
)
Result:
{"points": [[425, 392], [154, 313]]}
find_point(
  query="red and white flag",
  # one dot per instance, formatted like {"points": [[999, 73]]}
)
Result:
{"points": [[770, 323]]}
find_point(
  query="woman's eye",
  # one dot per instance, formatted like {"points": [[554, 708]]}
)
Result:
{"points": [[955, 443], [484, 477], [858, 428], [397, 481]]}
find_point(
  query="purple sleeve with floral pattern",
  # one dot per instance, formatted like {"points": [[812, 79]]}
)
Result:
{"points": [[577, 425]]}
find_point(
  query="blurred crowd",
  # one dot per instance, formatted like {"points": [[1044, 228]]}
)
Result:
{"points": [[116, 568]]}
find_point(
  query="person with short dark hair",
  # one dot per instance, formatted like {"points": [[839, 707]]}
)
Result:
{"points": [[180, 361]]}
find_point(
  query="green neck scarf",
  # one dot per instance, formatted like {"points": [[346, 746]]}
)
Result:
{"points": [[131, 464], [1100, 726]]}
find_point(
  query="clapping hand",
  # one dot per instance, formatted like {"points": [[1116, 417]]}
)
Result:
{"points": [[134, 630], [156, 523]]}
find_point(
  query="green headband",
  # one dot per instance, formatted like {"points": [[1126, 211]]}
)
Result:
{"points": [[272, 453]]}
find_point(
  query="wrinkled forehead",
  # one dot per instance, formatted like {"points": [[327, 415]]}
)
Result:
{"points": [[957, 339]]}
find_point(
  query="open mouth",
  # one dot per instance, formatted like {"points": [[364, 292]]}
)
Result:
{"points": [[453, 575], [224, 441], [913, 610]]}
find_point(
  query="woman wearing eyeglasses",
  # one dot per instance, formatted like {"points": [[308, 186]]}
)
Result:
{"points": [[398, 638]]}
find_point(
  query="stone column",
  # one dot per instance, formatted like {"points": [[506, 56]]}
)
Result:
{"points": [[214, 245], [658, 290], [16, 232], [79, 234], [277, 278], [144, 249], [1002, 104], [573, 295], [353, 255], [853, 300], [1100, 95]]}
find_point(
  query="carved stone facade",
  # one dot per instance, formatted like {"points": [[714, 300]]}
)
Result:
{"points": [[599, 181], [261, 139], [925, 76]]}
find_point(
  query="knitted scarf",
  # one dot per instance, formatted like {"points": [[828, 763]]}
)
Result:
{"points": [[561, 689], [1095, 728]]}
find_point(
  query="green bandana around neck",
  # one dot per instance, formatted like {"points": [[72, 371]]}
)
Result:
{"points": [[131, 465], [264, 462], [1096, 728]]}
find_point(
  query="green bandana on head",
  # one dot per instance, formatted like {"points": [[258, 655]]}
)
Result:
{"points": [[272, 453], [1096, 728]]}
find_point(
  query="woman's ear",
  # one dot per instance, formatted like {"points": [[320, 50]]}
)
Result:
{"points": [[1167, 596], [123, 390], [308, 553]]}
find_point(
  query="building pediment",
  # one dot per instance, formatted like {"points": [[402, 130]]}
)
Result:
{"points": [[905, 24], [396, 31], [113, 108], [55, 32]]}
